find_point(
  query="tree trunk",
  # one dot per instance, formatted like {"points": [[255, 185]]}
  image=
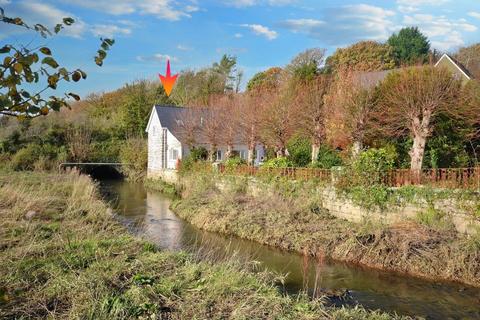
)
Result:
{"points": [[212, 153], [251, 154], [280, 152], [356, 148], [416, 155], [315, 151], [229, 152]]}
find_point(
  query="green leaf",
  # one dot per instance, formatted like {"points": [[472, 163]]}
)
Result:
{"points": [[74, 96], [98, 61], [50, 61], [84, 75], [46, 51], [68, 21], [102, 54], [5, 49], [25, 94], [58, 27]]}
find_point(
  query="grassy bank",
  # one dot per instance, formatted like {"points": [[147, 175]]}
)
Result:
{"points": [[291, 218], [63, 256]]}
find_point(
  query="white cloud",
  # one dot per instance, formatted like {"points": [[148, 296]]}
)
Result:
{"points": [[183, 47], [157, 57], [444, 33], [474, 14], [250, 3], [418, 3], [4, 2], [238, 35], [346, 24], [258, 29], [33, 12], [162, 9], [411, 6], [109, 30]]}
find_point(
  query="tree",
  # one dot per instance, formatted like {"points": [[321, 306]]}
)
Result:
{"points": [[197, 87], [362, 56], [306, 65], [265, 80], [27, 66], [352, 102], [312, 110], [277, 118], [410, 46], [469, 57], [412, 99]]}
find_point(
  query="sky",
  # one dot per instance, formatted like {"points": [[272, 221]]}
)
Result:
{"points": [[195, 33]]}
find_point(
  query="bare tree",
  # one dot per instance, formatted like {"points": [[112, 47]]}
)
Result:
{"points": [[249, 117], [412, 99], [311, 110], [211, 128], [277, 118], [227, 114], [352, 100]]}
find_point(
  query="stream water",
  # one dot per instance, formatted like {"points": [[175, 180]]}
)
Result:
{"points": [[148, 212]]}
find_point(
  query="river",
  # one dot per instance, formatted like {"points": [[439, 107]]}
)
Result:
{"points": [[148, 213]]}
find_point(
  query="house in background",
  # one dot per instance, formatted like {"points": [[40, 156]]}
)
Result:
{"points": [[169, 139]]}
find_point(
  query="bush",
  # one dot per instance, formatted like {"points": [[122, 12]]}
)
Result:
{"points": [[26, 157], [234, 162], [370, 166], [300, 151], [134, 153], [327, 158], [281, 162], [198, 153]]}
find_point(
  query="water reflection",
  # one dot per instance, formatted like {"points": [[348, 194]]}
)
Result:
{"points": [[373, 289]]}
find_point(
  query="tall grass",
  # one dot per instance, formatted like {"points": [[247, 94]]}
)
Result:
{"points": [[63, 256]]}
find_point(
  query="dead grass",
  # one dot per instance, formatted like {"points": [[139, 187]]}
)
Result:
{"points": [[70, 260], [291, 217]]}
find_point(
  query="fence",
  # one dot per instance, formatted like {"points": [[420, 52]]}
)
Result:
{"points": [[453, 178]]}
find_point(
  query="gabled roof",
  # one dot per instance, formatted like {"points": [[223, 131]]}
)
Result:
{"points": [[456, 64]]}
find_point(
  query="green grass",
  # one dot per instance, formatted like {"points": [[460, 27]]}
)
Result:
{"points": [[73, 261], [289, 215]]}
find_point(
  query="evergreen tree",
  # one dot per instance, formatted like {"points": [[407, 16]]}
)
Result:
{"points": [[409, 46]]}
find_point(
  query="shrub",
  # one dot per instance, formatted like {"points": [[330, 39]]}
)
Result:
{"points": [[198, 153], [234, 162], [281, 162], [134, 153], [370, 166], [300, 151], [327, 158], [26, 157]]}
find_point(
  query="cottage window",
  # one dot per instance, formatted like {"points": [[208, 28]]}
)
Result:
{"points": [[242, 154], [173, 154], [219, 155]]}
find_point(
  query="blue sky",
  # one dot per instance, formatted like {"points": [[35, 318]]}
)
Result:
{"points": [[195, 33]]}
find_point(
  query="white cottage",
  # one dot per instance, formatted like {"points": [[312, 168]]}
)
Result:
{"points": [[167, 138]]}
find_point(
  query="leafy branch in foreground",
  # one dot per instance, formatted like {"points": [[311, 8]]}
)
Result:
{"points": [[23, 67]]}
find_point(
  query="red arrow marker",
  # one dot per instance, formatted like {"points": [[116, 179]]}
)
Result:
{"points": [[168, 80]]}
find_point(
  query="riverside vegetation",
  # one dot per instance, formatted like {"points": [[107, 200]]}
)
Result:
{"points": [[64, 256], [289, 215]]}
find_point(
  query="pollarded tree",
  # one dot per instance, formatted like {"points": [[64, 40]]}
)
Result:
{"points": [[410, 46], [278, 118], [352, 100], [312, 110], [25, 67], [411, 101], [362, 56]]}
